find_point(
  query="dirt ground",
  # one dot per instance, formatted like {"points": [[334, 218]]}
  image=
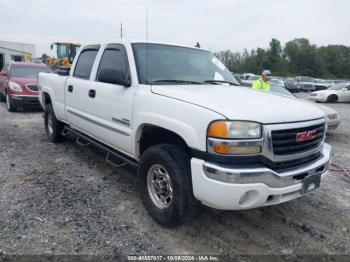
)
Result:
{"points": [[65, 199]]}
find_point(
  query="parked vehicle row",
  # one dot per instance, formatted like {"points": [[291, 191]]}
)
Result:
{"points": [[293, 84], [19, 84]]}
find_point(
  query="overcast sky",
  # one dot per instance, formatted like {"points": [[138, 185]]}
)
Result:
{"points": [[218, 25]]}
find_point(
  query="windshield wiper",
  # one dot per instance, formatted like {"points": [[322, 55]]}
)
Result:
{"points": [[220, 81], [178, 81]]}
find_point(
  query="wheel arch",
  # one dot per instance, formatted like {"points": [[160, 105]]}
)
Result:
{"points": [[149, 135], [45, 99]]}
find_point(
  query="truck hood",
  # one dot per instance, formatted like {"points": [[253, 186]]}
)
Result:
{"points": [[327, 110], [242, 103]]}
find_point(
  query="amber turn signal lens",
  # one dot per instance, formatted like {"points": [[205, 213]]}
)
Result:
{"points": [[221, 149], [218, 129]]}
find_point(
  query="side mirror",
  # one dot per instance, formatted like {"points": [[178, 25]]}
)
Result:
{"points": [[344, 89], [113, 76]]}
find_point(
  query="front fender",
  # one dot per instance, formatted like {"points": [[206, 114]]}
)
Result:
{"points": [[185, 131]]}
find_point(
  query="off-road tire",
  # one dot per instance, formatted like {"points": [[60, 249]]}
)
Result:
{"points": [[54, 130], [332, 99], [9, 104], [176, 162]]}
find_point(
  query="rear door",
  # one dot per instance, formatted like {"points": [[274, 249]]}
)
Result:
{"points": [[77, 101]]}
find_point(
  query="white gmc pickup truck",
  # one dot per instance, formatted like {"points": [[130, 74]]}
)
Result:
{"points": [[195, 136]]}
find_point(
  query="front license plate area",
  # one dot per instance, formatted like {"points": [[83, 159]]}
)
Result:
{"points": [[310, 183]]}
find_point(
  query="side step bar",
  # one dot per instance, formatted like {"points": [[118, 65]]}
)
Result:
{"points": [[113, 156]]}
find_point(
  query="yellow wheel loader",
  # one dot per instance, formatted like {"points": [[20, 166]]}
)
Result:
{"points": [[65, 52]]}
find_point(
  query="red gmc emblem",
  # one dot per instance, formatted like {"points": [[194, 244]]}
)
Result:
{"points": [[306, 136]]}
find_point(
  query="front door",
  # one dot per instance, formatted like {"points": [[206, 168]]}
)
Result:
{"points": [[105, 109], [113, 103]]}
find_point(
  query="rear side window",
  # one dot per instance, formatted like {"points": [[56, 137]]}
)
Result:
{"points": [[85, 63], [114, 57]]}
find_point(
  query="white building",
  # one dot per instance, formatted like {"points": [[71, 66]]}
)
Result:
{"points": [[16, 52]]}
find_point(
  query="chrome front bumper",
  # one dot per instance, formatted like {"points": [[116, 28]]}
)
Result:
{"points": [[264, 175]]}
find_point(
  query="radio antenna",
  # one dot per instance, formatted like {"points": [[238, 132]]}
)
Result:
{"points": [[147, 55], [121, 30], [147, 23]]}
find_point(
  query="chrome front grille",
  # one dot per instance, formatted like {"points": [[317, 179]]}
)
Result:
{"points": [[32, 87], [280, 143], [284, 142]]}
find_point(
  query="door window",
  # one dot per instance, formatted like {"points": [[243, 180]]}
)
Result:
{"points": [[85, 63], [114, 57]]}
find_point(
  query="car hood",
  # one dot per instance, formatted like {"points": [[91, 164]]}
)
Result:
{"points": [[242, 103], [24, 80], [325, 92]]}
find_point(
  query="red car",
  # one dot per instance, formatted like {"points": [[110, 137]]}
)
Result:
{"points": [[19, 84]]}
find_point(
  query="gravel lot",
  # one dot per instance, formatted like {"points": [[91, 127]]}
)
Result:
{"points": [[65, 199]]}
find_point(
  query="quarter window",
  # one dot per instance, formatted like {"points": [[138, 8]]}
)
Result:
{"points": [[85, 63]]}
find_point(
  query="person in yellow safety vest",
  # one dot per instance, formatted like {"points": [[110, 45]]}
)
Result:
{"points": [[263, 82]]}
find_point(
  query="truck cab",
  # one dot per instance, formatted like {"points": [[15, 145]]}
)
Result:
{"points": [[179, 116]]}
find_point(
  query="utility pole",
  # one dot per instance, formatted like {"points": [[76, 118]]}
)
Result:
{"points": [[121, 30]]}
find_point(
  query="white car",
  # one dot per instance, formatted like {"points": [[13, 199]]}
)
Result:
{"points": [[332, 117], [336, 93], [178, 115]]}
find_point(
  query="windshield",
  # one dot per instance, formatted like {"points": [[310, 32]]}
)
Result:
{"points": [[28, 71], [66, 50], [336, 87], [157, 62], [280, 90], [306, 79]]}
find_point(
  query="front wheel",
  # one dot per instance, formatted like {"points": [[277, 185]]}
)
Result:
{"points": [[53, 127], [166, 185], [9, 104]]}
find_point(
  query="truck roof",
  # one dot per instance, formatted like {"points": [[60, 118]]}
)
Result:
{"points": [[126, 42]]}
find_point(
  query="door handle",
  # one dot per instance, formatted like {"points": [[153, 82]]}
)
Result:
{"points": [[70, 88], [92, 93]]}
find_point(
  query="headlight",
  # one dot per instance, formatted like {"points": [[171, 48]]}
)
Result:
{"points": [[234, 130], [14, 86], [234, 138], [332, 116]]}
